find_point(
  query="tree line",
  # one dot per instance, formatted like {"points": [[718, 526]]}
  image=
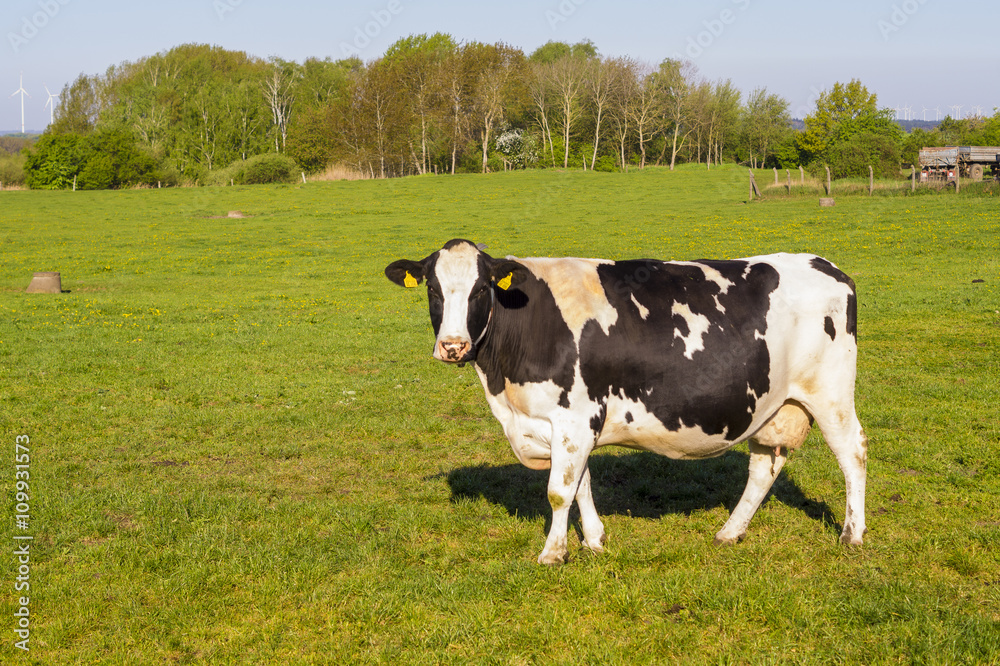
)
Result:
{"points": [[431, 104]]}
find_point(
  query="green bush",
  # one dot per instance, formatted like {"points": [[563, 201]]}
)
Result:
{"points": [[12, 169], [257, 170], [606, 163], [54, 162], [107, 159], [853, 156]]}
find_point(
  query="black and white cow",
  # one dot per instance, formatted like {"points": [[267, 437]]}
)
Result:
{"points": [[683, 358]]}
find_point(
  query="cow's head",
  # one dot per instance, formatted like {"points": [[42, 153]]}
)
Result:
{"points": [[461, 279]]}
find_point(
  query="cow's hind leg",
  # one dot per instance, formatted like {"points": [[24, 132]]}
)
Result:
{"points": [[765, 464], [846, 438], [768, 453], [590, 522]]}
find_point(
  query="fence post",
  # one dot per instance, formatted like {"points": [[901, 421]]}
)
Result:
{"points": [[829, 187], [802, 175], [775, 175], [871, 180], [753, 186], [913, 179], [788, 186]]}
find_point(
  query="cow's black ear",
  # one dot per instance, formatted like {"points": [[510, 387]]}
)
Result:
{"points": [[405, 272], [508, 274]]}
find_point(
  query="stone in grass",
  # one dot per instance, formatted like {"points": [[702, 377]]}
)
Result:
{"points": [[45, 282]]}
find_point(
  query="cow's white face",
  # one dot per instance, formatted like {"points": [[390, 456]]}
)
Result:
{"points": [[460, 283], [458, 297]]}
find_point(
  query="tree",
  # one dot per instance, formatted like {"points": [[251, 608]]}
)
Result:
{"points": [[540, 91], [602, 79], [280, 96], [567, 80], [455, 85], [79, 107], [842, 102], [552, 51], [723, 119], [498, 72], [644, 108], [675, 80], [764, 124], [621, 104], [54, 162], [872, 139], [419, 59]]}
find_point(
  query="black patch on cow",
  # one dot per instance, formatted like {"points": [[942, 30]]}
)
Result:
{"points": [[628, 417], [828, 327], [852, 314], [528, 340], [709, 390], [823, 266], [597, 420]]}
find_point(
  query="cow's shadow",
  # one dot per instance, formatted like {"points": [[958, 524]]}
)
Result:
{"points": [[642, 485]]}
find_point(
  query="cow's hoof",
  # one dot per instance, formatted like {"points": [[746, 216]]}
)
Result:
{"points": [[596, 545], [721, 540], [848, 539], [552, 558]]}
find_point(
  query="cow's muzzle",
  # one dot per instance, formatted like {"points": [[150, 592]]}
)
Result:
{"points": [[453, 350]]}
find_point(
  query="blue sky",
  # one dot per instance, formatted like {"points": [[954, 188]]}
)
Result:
{"points": [[917, 53]]}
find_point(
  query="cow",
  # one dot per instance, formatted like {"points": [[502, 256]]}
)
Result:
{"points": [[682, 358]]}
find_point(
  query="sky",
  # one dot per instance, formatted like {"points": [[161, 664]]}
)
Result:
{"points": [[928, 55]]}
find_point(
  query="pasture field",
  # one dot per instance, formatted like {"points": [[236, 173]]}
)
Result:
{"points": [[242, 452]]}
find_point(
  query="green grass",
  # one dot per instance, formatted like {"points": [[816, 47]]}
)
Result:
{"points": [[242, 451]]}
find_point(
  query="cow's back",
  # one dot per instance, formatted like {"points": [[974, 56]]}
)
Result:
{"points": [[690, 357]]}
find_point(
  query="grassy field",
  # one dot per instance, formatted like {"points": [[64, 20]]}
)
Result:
{"points": [[242, 452]]}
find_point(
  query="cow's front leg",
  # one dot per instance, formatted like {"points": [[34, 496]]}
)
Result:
{"points": [[569, 466]]}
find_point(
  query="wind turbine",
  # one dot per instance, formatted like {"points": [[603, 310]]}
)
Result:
{"points": [[52, 107], [925, 113], [957, 108], [937, 113], [20, 90]]}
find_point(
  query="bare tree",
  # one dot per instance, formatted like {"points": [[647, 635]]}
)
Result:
{"points": [[540, 90], [602, 78], [279, 95], [455, 88], [568, 76], [644, 108], [496, 70], [675, 81], [620, 103]]}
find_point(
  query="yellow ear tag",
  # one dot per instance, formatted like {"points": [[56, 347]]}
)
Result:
{"points": [[505, 283], [409, 280]]}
